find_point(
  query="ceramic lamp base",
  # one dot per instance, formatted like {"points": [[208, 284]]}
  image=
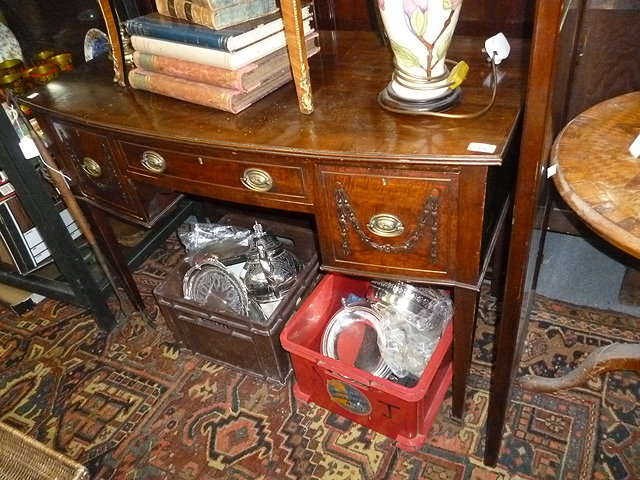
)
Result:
{"points": [[392, 102]]}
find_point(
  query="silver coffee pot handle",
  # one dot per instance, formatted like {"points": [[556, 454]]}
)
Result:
{"points": [[267, 265]]}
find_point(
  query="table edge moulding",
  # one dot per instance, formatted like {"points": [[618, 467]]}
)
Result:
{"points": [[347, 163]]}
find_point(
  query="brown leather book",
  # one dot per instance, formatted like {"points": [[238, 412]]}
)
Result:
{"points": [[226, 99], [243, 79]]}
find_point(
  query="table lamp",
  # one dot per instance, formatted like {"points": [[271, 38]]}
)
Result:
{"points": [[420, 32]]}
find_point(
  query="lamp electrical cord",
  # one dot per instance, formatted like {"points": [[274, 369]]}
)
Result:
{"points": [[494, 76]]}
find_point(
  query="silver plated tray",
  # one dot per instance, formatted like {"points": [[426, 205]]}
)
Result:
{"points": [[210, 283], [355, 331]]}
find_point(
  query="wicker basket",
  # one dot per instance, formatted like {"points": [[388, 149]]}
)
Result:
{"points": [[23, 458]]}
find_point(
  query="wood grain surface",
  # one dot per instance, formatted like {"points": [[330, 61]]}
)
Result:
{"points": [[347, 76], [596, 173]]}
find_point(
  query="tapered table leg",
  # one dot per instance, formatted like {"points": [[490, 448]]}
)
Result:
{"points": [[108, 243], [464, 318]]}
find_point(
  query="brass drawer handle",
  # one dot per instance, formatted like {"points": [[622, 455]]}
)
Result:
{"points": [[153, 162], [257, 180], [385, 225], [91, 167], [429, 221]]}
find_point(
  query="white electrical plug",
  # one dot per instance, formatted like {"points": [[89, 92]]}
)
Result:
{"points": [[497, 47]]}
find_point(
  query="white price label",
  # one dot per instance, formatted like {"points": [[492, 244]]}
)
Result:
{"points": [[28, 147], [635, 147], [481, 147]]}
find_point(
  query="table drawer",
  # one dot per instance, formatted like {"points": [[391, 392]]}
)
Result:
{"points": [[224, 174], [94, 169], [388, 222]]}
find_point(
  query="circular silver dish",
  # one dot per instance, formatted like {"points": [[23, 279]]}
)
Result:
{"points": [[352, 336]]}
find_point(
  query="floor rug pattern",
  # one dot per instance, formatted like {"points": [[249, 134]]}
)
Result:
{"points": [[132, 405]]}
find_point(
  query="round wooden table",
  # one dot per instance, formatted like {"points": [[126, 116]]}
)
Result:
{"points": [[599, 178], [596, 173]]}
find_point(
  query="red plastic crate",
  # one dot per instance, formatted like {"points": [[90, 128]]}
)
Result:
{"points": [[402, 413]]}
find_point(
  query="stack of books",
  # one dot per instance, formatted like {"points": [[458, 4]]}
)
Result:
{"points": [[224, 54]]}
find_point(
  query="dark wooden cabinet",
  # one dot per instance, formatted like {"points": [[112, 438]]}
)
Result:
{"points": [[604, 60], [598, 59]]}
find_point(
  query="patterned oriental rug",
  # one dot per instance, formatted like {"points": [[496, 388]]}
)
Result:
{"points": [[131, 405]]}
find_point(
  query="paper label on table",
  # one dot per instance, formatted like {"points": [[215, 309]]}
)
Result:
{"points": [[28, 147], [635, 147], [481, 147], [551, 171]]}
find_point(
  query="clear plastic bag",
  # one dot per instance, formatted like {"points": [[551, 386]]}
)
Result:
{"points": [[411, 338], [206, 239]]}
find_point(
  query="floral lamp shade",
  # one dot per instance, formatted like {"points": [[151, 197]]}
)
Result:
{"points": [[420, 32]]}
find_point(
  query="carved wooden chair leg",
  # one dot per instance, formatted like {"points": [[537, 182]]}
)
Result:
{"points": [[616, 356]]}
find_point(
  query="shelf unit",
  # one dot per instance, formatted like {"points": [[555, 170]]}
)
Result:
{"points": [[80, 282]]}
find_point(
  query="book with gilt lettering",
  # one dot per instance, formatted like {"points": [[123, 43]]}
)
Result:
{"points": [[211, 56], [229, 39]]}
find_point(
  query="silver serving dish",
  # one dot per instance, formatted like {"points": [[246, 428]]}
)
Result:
{"points": [[210, 283], [353, 335], [270, 270]]}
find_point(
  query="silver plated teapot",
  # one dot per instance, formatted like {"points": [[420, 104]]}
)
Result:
{"points": [[270, 270]]}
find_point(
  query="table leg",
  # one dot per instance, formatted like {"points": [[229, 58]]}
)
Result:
{"points": [[630, 288], [108, 243], [506, 341], [617, 356], [464, 318]]}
